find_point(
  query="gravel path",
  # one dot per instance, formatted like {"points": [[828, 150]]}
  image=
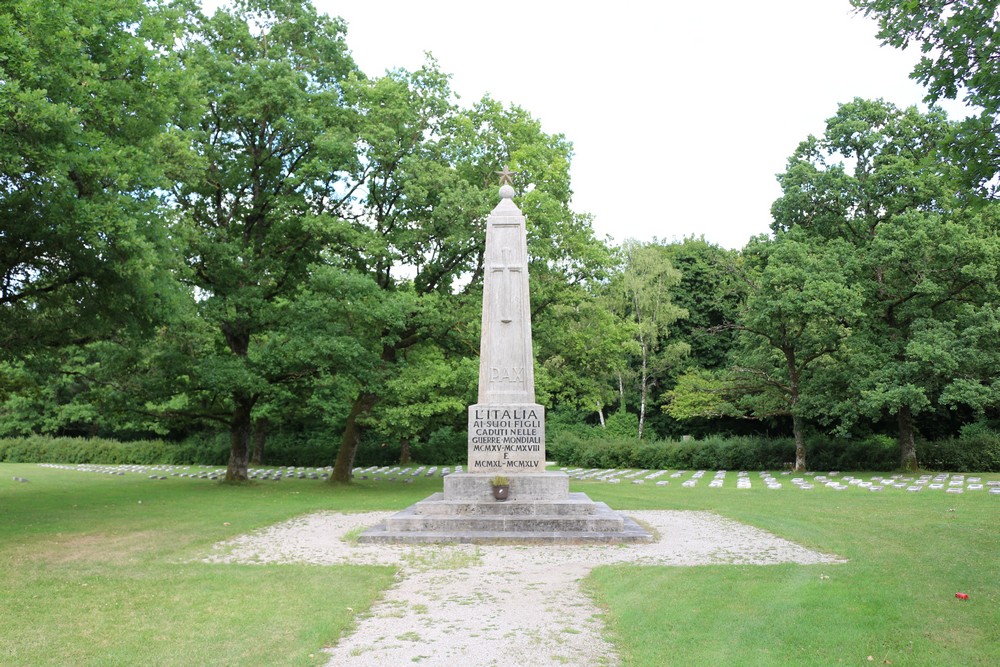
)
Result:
{"points": [[497, 605]]}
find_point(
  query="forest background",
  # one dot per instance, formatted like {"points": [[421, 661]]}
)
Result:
{"points": [[224, 243]]}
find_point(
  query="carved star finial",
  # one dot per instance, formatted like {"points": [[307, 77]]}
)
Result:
{"points": [[506, 176]]}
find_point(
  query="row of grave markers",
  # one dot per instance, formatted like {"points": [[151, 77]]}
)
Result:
{"points": [[949, 482], [387, 473], [398, 473]]}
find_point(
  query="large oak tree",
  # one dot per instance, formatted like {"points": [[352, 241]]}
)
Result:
{"points": [[261, 197]]}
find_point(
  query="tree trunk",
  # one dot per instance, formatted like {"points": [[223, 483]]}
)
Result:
{"points": [[241, 426], [239, 439], [600, 414], [259, 436], [793, 401], [800, 443], [350, 439], [644, 389], [907, 447], [404, 452]]}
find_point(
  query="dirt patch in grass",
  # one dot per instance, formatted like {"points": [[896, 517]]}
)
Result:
{"points": [[108, 548]]}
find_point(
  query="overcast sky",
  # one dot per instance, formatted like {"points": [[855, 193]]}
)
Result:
{"points": [[680, 113]]}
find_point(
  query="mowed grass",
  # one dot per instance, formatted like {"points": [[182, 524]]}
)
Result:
{"points": [[105, 570], [893, 602]]}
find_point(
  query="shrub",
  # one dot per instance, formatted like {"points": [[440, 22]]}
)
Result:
{"points": [[45, 449], [598, 449], [977, 449], [975, 453], [622, 424], [875, 452]]}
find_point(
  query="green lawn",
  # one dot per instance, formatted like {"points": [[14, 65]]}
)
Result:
{"points": [[97, 570], [101, 570], [909, 553]]}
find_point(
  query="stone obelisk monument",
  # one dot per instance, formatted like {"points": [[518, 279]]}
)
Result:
{"points": [[507, 430], [506, 426]]}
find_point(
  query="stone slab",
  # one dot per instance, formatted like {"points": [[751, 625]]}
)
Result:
{"points": [[546, 523], [627, 531], [575, 504], [523, 487]]}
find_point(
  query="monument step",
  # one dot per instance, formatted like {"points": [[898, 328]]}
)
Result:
{"points": [[630, 533], [576, 504], [501, 524]]}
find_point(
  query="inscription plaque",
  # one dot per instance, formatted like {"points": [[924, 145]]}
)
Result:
{"points": [[506, 439]]}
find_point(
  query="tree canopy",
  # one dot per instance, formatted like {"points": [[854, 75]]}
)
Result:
{"points": [[215, 227], [86, 91], [960, 45]]}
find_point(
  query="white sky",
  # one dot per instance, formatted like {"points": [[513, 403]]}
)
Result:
{"points": [[680, 113]]}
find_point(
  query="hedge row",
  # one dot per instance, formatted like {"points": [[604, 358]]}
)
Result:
{"points": [[46, 449], [978, 452], [444, 447], [877, 453], [210, 450]]}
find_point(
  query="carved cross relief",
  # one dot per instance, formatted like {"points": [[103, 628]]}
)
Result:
{"points": [[509, 289]]}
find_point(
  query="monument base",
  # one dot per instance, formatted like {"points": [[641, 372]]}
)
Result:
{"points": [[540, 510]]}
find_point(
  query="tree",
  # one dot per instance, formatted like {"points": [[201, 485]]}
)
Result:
{"points": [[260, 200], [712, 297], [429, 390], [801, 306], [86, 91], [641, 295], [960, 40], [937, 272], [798, 311], [924, 249], [413, 227]]}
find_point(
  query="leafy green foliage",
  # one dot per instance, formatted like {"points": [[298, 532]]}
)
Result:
{"points": [[259, 201], [921, 255], [86, 91], [579, 345], [960, 43], [711, 294], [640, 295], [701, 393], [599, 449], [308, 242], [798, 310], [43, 449]]}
